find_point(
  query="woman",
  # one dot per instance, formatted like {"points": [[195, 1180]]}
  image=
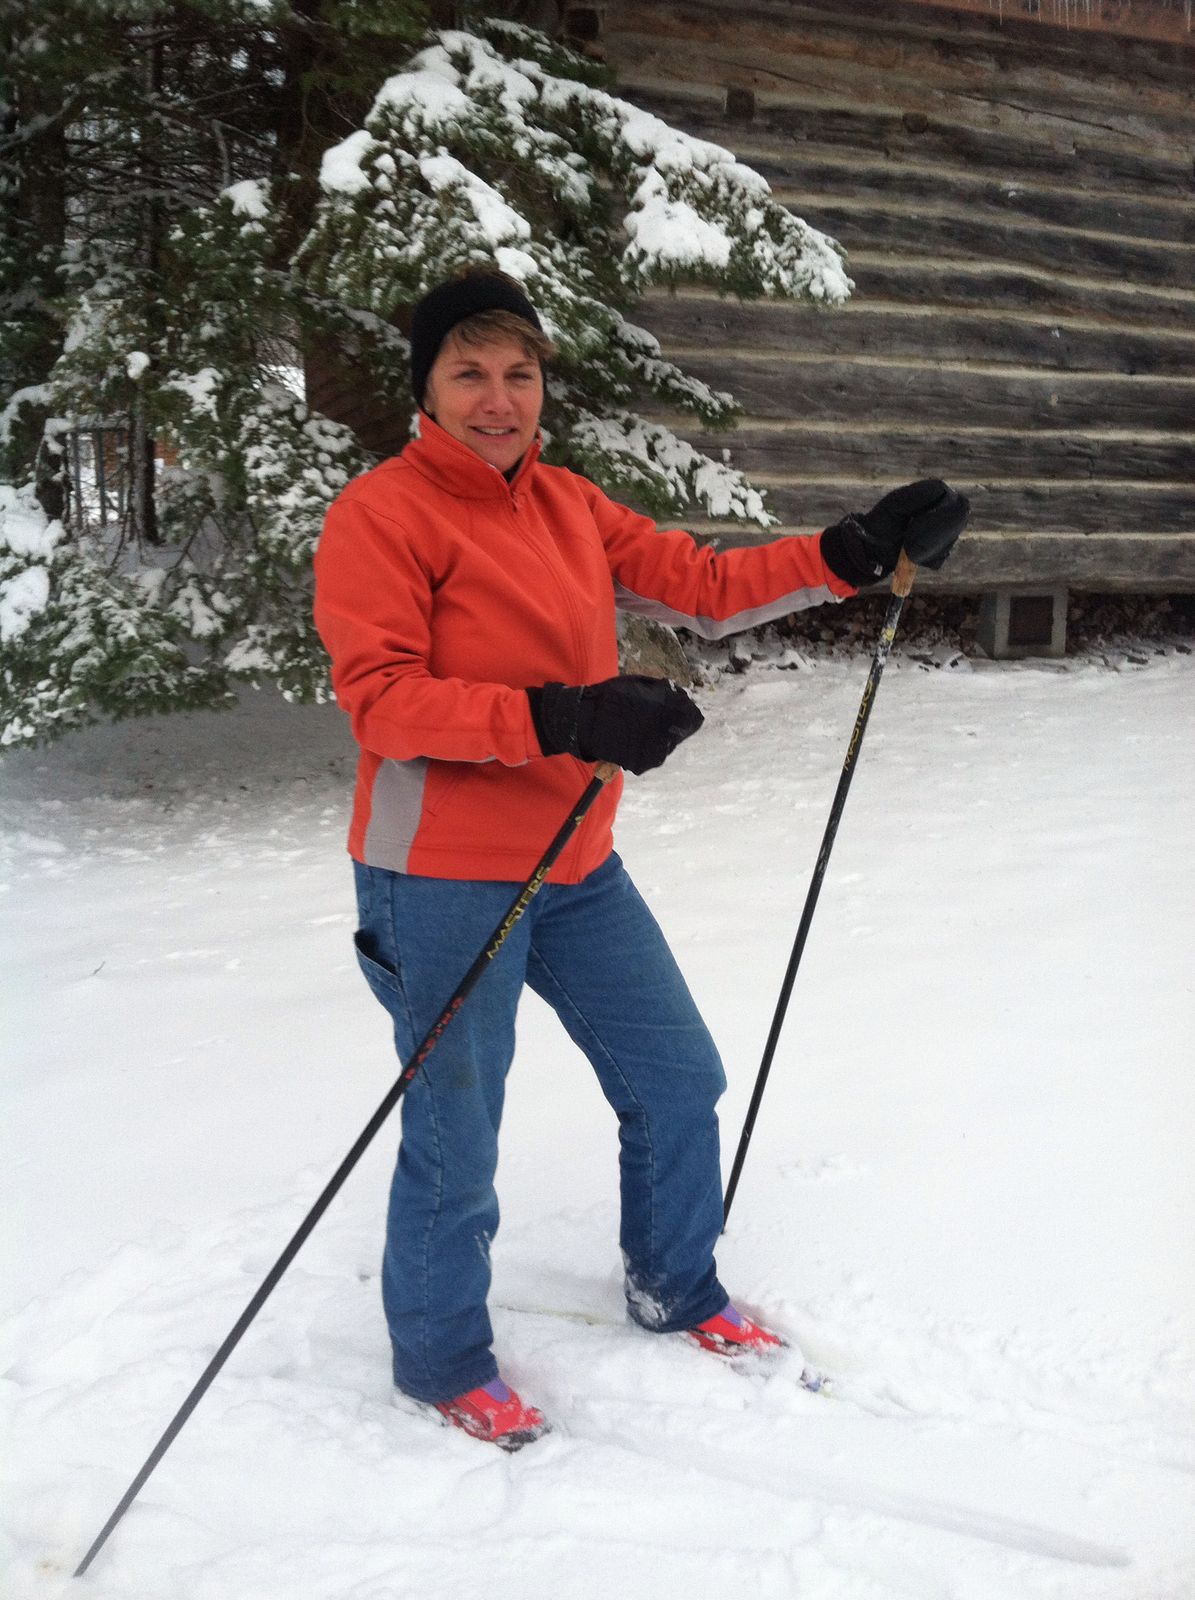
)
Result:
{"points": [[466, 594]]}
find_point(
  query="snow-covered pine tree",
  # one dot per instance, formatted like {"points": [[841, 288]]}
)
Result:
{"points": [[492, 145], [139, 288]]}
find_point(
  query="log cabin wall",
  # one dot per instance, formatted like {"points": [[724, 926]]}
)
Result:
{"points": [[1016, 201]]}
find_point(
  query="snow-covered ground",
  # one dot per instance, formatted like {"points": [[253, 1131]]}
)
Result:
{"points": [[971, 1195]]}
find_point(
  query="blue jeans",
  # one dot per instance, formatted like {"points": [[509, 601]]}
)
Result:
{"points": [[595, 953]]}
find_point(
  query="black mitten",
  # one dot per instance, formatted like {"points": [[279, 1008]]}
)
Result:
{"points": [[636, 722], [924, 519]]}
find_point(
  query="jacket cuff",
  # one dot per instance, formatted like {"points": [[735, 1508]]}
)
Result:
{"points": [[844, 551], [554, 709]]}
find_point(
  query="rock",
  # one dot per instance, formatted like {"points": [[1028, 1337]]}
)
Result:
{"points": [[653, 649]]}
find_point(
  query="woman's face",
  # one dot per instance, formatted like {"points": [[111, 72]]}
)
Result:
{"points": [[489, 396]]}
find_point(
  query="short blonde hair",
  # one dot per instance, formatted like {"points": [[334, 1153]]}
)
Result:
{"points": [[496, 327]]}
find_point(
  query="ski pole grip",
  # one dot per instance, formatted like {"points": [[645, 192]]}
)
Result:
{"points": [[902, 578]]}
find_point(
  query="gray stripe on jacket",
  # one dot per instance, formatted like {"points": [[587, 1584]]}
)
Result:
{"points": [[711, 627], [396, 805]]}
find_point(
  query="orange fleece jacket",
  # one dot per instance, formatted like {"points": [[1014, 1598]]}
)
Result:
{"points": [[443, 591]]}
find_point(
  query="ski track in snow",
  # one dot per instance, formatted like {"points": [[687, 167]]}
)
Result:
{"points": [[969, 1198]]}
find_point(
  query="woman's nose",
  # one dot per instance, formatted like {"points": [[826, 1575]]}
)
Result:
{"points": [[497, 396]]}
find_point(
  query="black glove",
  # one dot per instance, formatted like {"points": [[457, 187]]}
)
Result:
{"points": [[924, 519], [633, 721]]}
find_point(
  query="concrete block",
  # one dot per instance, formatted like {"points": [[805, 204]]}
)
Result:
{"points": [[1016, 623]]}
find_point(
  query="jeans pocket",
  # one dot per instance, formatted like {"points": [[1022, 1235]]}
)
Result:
{"points": [[383, 980]]}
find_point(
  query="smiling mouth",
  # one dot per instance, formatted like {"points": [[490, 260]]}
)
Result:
{"points": [[496, 433]]}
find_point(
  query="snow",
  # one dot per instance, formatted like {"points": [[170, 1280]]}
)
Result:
{"points": [[515, 88], [32, 395], [190, 606], [671, 230], [27, 534], [340, 167], [638, 448], [969, 1196], [21, 598], [202, 388], [135, 363], [249, 198], [436, 100], [25, 529], [499, 223], [516, 264]]}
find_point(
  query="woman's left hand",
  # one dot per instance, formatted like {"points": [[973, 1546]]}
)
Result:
{"points": [[924, 519]]}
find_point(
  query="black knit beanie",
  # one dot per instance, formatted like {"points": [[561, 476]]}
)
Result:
{"points": [[443, 307]]}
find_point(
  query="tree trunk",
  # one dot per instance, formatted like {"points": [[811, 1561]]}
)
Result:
{"points": [[143, 504], [34, 208]]}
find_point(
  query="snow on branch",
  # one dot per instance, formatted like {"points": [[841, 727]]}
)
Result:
{"points": [[645, 461], [28, 539], [689, 209]]}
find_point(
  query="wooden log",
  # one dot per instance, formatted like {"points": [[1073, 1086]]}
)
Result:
{"points": [[1128, 561], [1025, 507], [1001, 199], [846, 129], [885, 37], [1116, 90], [945, 235], [1002, 35], [1163, 20], [881, 454], [801, 82], [689, 323], [941, 397], [999, 286]]}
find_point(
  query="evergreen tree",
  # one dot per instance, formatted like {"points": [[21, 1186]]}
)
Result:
{"points": [[186, 297], [122, 124]]}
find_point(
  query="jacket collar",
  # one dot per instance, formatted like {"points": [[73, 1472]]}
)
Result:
{"points": [[452, 466]]}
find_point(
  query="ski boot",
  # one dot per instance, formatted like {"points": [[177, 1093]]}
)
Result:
{"points": [[495, 1413]]}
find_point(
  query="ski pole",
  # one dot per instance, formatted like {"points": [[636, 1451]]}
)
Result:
{"points": [[902, 582], [603, 772]]}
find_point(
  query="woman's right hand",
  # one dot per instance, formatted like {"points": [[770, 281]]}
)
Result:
{"points": [[634, 721]]}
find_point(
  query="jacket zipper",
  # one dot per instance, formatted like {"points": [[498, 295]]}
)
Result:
{"points": [[552, 561], [576, 846]]}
